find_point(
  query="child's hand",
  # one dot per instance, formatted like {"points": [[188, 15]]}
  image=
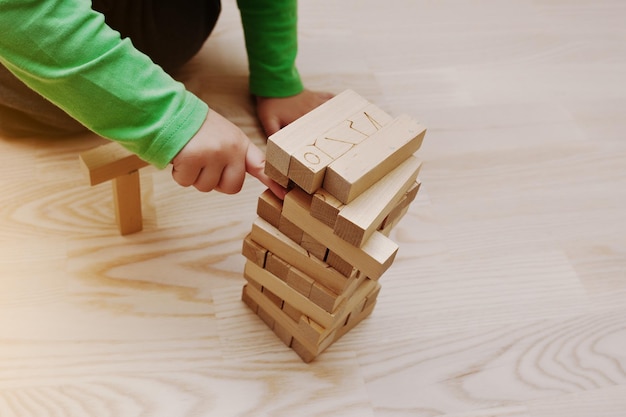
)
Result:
{"points": [[217, 158], [276, 113]]}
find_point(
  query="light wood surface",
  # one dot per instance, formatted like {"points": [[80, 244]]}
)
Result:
{"points": [[507, 297]]}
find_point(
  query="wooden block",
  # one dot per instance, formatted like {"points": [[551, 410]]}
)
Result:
{"points": [[325, 207], [309, 354], [289, 229], [317, 334], [308, 164], [127, 203], [309, 338], [267, 319], [359, 126], [282, 144], [354, 286], [276, 175], [322, 338], [355, 296], [275, 299], [373, 258], [359, 219], [358, 314], [269, 207], [109, 161], [286, 293], [390, 225], [311, 331], [252, 305], [354, 314], [253, 284], [412, 192], [343, 267], [354, 321], [299, 281], [314, 247], [401, 208], [292, 312], [254, 252], [320, 295], [324, 298], [328, 320], [372, 297], [282, 319], [365, 164], [276, 242], [277, 266], [115, 163], [367, 304], [305, 354], [283, 333]]}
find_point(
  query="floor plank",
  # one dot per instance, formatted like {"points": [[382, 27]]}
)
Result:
{"points": [[506, 298]]}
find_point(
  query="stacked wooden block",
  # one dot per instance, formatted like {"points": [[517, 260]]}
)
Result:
{"points": [[314, 260]]}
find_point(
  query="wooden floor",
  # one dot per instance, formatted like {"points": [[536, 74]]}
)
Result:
{"points": [[508, 295]]}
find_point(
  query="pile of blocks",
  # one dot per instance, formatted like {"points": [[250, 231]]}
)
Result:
{"points": [[315, 259]]}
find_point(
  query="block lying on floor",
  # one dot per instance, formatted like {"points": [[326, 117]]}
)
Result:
{"points": [[112, 162]]}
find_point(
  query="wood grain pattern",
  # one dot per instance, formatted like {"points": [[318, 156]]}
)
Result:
{"points": [[506, 297], [365, 164]]}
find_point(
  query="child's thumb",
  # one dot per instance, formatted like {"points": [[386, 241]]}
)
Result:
{"points": [[255, 166]]}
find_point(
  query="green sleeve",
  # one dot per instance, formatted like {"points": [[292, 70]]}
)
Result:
{"points": [[65, 51], [270, 28]]}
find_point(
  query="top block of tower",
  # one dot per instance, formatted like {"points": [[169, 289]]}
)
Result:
{"points": [[282, 144], [345, 146]]}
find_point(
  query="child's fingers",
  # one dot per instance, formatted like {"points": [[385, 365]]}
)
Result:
{"points": [[232, 178], [185, 174], [255, 166], [207, 180]]}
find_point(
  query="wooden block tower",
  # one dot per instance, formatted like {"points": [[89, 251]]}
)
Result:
{"points": [[315, 259]]}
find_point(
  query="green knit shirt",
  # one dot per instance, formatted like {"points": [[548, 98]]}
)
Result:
{"points": [[66, 52]]}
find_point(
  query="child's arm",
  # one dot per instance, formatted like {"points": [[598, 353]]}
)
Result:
{"points": [[66, 52], [270, 28]]}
